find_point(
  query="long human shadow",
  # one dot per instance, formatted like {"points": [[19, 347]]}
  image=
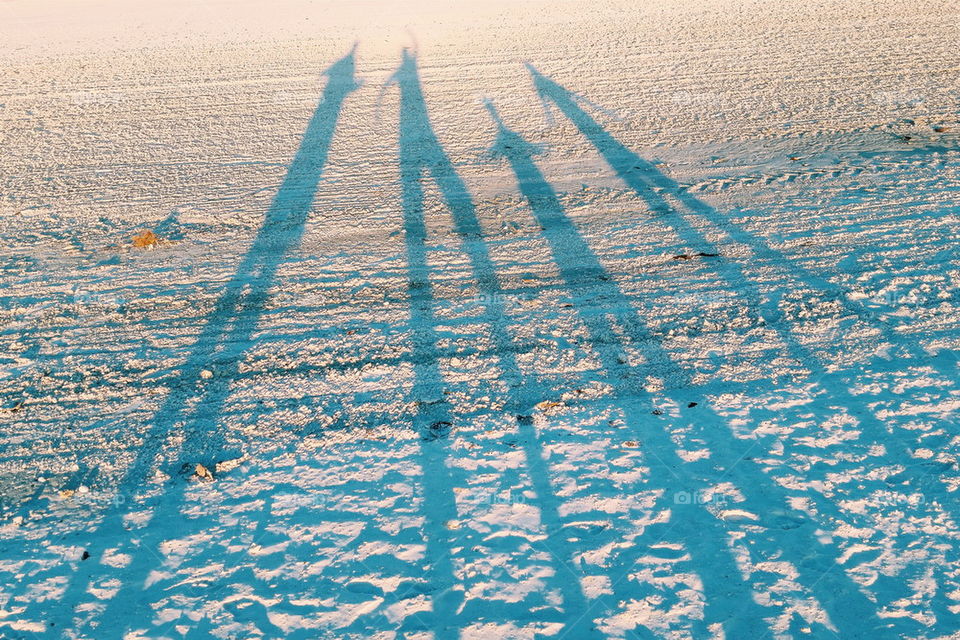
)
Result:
{"points": [[727, 595], [790, 533], [420, 153], [643, 177], [192, 409], [432, 420]]}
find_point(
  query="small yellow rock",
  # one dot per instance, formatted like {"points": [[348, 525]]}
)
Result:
{"points": [[546, 405], [145, 239], [202, 472]]}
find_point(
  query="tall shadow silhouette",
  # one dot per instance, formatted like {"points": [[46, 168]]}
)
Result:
{"points": [[192, 410], [433, 417], [787, 534], [923, 476], [420, 153]]}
